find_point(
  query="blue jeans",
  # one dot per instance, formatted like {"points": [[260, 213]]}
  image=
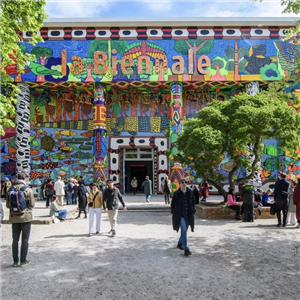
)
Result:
{"points": [[183, 233], [148, 197], [17, 228], [69, 197], [62, 214]]}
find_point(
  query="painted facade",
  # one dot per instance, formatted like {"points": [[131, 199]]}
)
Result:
{"points": [[97, 94]]}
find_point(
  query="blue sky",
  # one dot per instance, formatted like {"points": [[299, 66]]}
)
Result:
{"points": [[162, 9]]}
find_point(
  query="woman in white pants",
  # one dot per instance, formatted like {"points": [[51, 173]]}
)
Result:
{"points": [[95, 203]]}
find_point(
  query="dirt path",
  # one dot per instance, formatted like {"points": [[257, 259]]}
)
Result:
{"points": [[230, 260]]}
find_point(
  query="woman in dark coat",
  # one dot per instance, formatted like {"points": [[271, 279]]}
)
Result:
{"points": [[82, 198]]}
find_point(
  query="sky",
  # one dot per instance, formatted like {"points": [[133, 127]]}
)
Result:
{"points": [[163, 9]]}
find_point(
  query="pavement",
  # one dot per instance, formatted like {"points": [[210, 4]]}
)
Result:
{"points": [[133, 202], [230, 260]]}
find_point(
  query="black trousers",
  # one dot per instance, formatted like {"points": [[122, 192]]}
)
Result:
{"points": [[284, 209], [248, 211], [237, 209], [167, 198], [17, 229]]}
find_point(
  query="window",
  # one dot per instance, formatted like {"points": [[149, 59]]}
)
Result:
{"points": [[141, 154]]}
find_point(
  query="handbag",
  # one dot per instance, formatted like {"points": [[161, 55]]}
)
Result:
{"points": [[92, 203], [273, 209]]}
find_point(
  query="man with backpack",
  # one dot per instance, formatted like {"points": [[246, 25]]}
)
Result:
{"points": [[20, 202]]}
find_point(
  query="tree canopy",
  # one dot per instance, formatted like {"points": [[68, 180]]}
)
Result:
{"points": [[236, 128], [16, 17]]}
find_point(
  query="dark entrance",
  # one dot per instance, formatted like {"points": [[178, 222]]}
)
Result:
{"points": [[139, 170]]}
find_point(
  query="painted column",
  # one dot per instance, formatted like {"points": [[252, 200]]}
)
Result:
{"points": [[23, 129], [99, 139], [252, 88], [176, 119]]}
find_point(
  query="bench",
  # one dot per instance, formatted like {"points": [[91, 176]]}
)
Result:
{"points": [[219, 212]]}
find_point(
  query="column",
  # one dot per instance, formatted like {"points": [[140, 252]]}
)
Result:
{"points": [[252, 88], [99, 139], [176, 119], [23, 129]]}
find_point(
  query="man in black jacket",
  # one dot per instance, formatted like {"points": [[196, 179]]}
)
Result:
{"points": [[247, 194], [183, 210], [111, 197], [281, 198]]}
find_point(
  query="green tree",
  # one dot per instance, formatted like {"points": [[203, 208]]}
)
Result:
{"points": [[16, 17], [237, 128]]}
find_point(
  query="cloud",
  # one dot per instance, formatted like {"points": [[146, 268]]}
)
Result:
{"points": [[160, 7], [163, 8], [77, 9], [216, 8]]}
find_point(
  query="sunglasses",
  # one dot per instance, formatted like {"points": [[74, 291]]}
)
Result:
{"points": [[184, 182]]}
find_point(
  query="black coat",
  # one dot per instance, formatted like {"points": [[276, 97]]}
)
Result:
{"points": [[82, 198], [176, 209], [281, 193]]}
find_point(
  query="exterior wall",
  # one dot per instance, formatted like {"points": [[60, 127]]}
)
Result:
{"points": [[137, 67]]}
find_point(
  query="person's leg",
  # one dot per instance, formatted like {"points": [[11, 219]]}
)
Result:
{"points": [[278, 213], [98, 219], [284, 213], [16, 230], [110, 217], [26, 227], [114, 220], [183, 234], [246, 212], [62, 214], [288, 218], [91, 220], [251, 212]]}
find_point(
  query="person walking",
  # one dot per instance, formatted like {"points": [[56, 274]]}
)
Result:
{"points": [[147, 185], [166, 188], [111, 198], [40, 196], [203, 188], [281, 198], [82, 199], [95, 203], [296, 200], [21, 223], [183, 211], [59, 188], [196, 194], [291, 215], [134, 184]]}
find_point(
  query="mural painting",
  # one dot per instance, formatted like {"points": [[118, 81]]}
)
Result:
{"points": [[86, 94]]}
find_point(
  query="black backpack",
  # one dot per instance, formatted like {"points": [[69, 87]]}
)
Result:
{"points": [[17, 202]]}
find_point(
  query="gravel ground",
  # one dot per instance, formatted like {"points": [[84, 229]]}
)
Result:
{"points": [[230, 260]]}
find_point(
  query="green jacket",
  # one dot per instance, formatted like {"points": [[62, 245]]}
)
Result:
{"points": [[28, 195]]}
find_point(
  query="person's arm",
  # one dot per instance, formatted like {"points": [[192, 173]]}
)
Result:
{"points": [[30, 198], [121, 200]]}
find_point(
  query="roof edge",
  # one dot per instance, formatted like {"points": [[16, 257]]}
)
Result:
{"points": [[178, 22]]}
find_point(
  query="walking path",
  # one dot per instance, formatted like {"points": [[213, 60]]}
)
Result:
{"points": [[133, 202]]}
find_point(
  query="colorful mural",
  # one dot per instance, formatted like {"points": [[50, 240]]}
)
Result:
{"points": [[96, 90]]}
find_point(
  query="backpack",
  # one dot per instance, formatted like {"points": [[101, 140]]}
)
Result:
{"points": [[48, 192], [17, 202]]}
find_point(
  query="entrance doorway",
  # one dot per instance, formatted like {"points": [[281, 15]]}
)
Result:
{"points": [[139, 170]]}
